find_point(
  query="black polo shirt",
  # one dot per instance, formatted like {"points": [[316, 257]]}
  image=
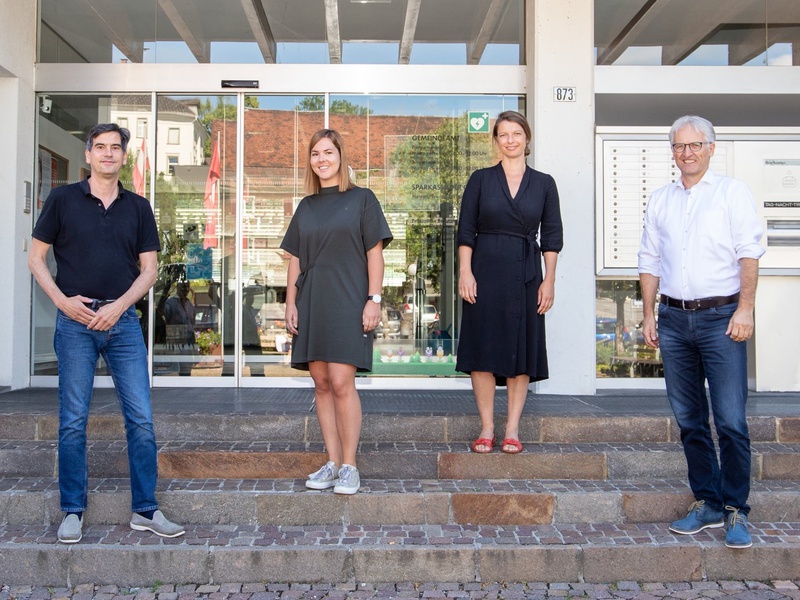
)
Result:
{"points": [[96, 250]]}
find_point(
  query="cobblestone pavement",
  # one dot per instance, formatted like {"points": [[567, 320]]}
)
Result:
{"points": [[279, 536], [743, 590]]}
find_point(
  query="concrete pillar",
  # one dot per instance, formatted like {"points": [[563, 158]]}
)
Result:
{"points": [[560, 54], [17, 57]]}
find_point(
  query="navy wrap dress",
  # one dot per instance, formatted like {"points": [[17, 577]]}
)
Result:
{"points": [[331, 233], [502, 333]]}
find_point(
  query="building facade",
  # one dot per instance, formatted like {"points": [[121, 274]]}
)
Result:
{"points": [[222, 98]]}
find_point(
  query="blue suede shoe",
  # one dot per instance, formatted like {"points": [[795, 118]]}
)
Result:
{"points": [[737, 534], [700, 517]]}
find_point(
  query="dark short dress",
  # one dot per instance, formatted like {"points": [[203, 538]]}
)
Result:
{"points": [[331, 233], [502, 333]]}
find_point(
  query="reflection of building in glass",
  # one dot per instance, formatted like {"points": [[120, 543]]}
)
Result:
{"points": [[179, 132]]}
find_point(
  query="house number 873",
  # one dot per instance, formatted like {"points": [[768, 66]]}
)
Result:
{"points": [[564, 94]]}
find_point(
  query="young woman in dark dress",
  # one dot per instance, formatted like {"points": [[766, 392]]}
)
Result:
{"points": [[336, 240], [509, 220]]}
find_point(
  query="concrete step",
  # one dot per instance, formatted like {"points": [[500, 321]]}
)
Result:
{"points": [[397, 460], [217, 554], [387, 428], [263, 502]]}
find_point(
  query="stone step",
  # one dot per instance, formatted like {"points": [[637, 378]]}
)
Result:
{"points": [[286, 502], [388, 428], [399, 460], [217, 554]]}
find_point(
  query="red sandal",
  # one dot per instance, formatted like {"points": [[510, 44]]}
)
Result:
{"points": [[483, 442], [511, 442]]}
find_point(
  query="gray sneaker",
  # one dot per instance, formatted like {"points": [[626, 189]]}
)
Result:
{"points": [[159, 525], [324, 478], [349, 480], [71, 529]]}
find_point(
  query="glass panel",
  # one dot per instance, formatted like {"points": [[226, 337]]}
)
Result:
{"points": [[673, 32], [416, 153], [62, 125], [277, 131], [195, 205], [621, 351], [208, 31]]}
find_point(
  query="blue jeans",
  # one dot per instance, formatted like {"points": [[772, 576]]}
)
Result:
{"points": [[694, 348], [123, 350]]}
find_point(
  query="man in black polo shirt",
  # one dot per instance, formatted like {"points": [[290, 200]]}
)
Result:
{"points": [[105, 241]]}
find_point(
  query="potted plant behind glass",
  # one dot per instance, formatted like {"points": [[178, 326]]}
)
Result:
{"points": [[209, 343]]}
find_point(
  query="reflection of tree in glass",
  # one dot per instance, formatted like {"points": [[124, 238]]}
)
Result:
{"points": [[620, 291], [429, 170], [344, 107], [433, 167], [225, 110]]}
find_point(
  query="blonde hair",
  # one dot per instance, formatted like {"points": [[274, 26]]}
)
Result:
{"points": [[312, 179]]}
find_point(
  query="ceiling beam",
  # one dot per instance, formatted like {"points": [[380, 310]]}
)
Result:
{"points": [[753, 41], [477, 44], [756, 40], [409, 31], [259, 25], [119, 32], [332, 31], [698, 27], [631, 32], [200, 49]]}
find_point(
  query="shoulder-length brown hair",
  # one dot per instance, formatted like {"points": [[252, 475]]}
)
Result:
{"points": [[515, 117], [312, 179]]}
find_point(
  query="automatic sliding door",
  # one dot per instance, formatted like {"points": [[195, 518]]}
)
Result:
{"points": [[194, 174], [277, 130]]}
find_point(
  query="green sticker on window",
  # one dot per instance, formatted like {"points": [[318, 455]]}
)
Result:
{"points": [[478, 121]]}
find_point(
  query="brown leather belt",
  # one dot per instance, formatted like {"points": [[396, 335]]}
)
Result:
{"points": [[699, 303], [96, 304]]}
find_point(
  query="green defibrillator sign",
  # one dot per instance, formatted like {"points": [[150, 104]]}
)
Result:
{"points": [[477, 121]]}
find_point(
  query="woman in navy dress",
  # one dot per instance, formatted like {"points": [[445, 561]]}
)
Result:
{"points": [[336, 240], [509, 220]]}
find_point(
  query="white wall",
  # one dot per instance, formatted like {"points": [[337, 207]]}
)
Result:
{"points": [[17, 56], [563, 145]]}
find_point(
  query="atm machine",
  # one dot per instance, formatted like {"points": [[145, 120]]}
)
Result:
{"points": [[632, 162], [772, 170]]}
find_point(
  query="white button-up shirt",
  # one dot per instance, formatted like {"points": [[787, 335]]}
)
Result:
{"points": [[693, 239]]}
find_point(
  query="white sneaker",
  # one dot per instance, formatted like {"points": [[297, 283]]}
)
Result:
{"points": [[324, 478], [349, 480]]}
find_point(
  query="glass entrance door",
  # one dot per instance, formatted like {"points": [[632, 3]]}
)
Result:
{"points": [[226, 173], [229, 173]]}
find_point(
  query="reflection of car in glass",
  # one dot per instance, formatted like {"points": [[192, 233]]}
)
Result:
{"points": [[390, 328], [408, 303], [206, 316], [606, 330], [273, 326], [429, 314]]}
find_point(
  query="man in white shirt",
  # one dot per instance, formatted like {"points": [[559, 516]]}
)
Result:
{"points": [[701, 244]]}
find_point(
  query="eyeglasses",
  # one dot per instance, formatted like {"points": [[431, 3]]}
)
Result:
{"points": [[693, 146]]}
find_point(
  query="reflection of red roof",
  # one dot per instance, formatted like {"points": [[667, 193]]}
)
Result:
{"points": [[279, 138]]}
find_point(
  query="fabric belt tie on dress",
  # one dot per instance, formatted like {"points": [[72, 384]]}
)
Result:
{"points": [[302, 277], [532, 256], [96, 304], [700, 303]]}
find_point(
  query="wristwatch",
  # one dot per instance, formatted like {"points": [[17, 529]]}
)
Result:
{"points": [[376, 298]]}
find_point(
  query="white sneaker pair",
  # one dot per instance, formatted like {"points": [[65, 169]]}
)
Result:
{"points": [[346, 481]]}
